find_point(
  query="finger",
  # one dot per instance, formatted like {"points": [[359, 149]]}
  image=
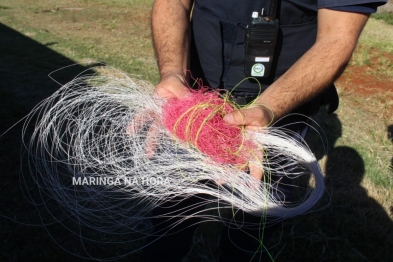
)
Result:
{"points": [[151, 141], [172, 86], [136, 124], [235, 118], [252, 118], [256, 165], [172, 92], [219, 181], [256, 171]]}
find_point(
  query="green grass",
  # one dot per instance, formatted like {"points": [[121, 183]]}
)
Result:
{"points": [[387, 17], [377, 35], [375, 49], [117, 38]]}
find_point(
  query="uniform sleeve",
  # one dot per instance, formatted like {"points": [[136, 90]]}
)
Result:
{"points": [[358, 6], [362, 8]]}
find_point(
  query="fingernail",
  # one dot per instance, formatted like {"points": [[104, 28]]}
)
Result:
{"points": [[228, 118]]}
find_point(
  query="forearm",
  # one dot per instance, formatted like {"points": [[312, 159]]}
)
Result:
{"points": [[171, 33], [307, 78], [320, 66]]}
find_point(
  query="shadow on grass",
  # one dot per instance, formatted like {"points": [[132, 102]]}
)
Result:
{"points": [[390, 136], [353, 227], [24, 82]]}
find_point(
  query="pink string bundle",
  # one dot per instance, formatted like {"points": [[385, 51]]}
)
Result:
{"points": [[198, 120]]}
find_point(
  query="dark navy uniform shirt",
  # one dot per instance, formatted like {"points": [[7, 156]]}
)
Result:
{"points": [[218, 34]]}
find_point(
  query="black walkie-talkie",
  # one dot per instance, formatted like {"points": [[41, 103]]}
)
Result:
{"points": [[261, 38]]}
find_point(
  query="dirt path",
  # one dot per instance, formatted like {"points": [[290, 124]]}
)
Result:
{"points": [[372, 87]]}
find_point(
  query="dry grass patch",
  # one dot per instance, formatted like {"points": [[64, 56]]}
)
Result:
{"points": [[114, 32]]}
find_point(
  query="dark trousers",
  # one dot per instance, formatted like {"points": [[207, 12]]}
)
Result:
{"points": [[243, 239]]}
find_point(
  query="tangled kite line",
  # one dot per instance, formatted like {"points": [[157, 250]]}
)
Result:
{"points": [[88, 152]]}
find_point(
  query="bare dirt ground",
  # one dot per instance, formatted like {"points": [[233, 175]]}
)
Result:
{"points": [[365, 81]]}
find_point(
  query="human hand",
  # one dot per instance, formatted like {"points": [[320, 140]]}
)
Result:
{"points": [[171, 86], [253, 117]]}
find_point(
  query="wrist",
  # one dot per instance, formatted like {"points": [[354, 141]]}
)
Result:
{"points": [[173, 73], [172, 85]]}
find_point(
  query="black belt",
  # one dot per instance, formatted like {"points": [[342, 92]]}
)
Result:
{"points": [[243, 100]]}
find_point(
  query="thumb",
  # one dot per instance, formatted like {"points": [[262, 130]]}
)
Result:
{"points": [[235, 118], [254, 117]]}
